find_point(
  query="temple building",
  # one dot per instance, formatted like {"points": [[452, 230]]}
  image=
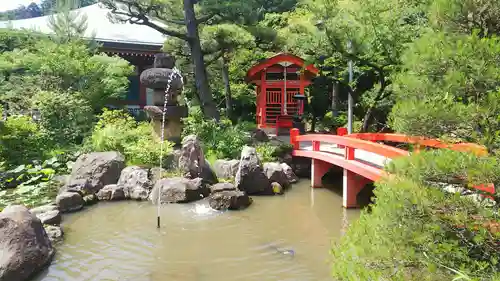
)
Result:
{"points": [[135, 43]]}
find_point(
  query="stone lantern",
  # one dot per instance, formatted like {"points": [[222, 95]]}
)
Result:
{"points": [[167, 85]]}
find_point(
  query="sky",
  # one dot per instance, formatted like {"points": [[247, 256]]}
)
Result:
{"points": [[12, 4]]}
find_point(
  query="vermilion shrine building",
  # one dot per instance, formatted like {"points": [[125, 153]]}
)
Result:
{"points": [[135, 43], [278, 80]]}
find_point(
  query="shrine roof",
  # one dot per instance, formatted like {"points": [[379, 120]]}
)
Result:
{"points": [[280, 58], [100, 28]]}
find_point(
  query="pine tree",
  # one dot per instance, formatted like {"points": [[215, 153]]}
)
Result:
{"points": [[66, 23]]}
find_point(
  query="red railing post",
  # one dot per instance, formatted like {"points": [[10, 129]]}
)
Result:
{"points": [[316, 145], [294, 133], [341, 132], [349, 153]]}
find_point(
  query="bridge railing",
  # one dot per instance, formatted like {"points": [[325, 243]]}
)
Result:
{"points": [[350, 144], [421, 142]]}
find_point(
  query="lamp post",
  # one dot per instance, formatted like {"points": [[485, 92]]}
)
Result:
{"points": [[350, 101], [349, 97]]}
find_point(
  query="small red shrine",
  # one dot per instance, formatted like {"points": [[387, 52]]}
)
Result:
{"points": [[278, 80]]}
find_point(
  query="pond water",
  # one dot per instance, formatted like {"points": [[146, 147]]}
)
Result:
{"points": [[280, 238]]}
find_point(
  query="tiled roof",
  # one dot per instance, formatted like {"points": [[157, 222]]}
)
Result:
{"points": [[99, 27]]}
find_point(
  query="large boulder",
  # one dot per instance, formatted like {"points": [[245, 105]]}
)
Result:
{"points": [[178, 190], [24, 245], [99, 168], [69, 202], [82, 186], [301, 166], [229, 200], [111, 192], [136, 183], [48, 214], [250, 176], [222, 186], [275, 173], [226, 169], [192, 162], [258, 135], [290, 175]]}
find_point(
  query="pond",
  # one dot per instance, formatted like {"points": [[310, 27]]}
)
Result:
{"points": [[279, 238]]}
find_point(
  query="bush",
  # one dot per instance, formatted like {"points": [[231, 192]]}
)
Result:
{"points": [[331, 123], [220, 139], [117, 130], [66, 118], [21, 139], [416, 231], [271, 153]]}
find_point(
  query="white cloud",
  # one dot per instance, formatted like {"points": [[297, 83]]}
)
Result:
{"points": [[6, 5]]}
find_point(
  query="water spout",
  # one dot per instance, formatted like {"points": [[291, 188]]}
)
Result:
{"points": [[175, 73]]}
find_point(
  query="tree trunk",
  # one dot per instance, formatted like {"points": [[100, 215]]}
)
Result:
{"points": [[207, 103], [367, 119], [335, 92], [227, 87]]}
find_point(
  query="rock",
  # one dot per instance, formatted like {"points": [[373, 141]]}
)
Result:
{"points": [[155, 174], [25, 246], [50, 217], [222, 186], [229, 200], [99, 168], [90, 199], [47, 214], [62, 179], [290, 175], [111, 192], [250, 176], [179, 190], [226, 169], [55, 233], [259, 135], [275, 173], [136, 183], [301, 166], [192, 162], [81, 186], [69, 202]]}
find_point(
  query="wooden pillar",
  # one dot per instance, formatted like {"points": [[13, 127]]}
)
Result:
{"points": [[263, 98], [318, 168], [352, 183]]}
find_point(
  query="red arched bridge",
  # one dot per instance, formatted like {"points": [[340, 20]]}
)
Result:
{"points": [[362, 157]]}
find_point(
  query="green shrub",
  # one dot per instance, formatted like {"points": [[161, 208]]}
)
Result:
{"points": [[117, 130], [416, 231], [66, 117], [331, 123], [269, 152], [223, 140], [21, 140]]}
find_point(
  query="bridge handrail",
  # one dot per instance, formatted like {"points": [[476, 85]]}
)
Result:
{"points": [[352, 143], [421, 141]]}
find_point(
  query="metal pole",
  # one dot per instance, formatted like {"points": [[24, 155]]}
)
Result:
{"points": [[349, 99]]}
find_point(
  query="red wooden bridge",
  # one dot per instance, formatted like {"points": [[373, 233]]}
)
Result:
{"points": [[362, 157]]}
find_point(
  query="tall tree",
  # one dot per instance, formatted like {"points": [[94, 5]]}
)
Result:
{"points": [[223, 40], [66, 23]]}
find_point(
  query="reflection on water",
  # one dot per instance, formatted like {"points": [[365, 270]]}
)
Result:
{"points": [[281, 238]]}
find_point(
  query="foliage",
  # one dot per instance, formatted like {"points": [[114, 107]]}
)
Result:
{"points": [[416, 231], [221, 139], [449, 88], [117, 130], [11, 39], [66, 118], [269, 152], [66, 23], [21, 139], [70, 68]]}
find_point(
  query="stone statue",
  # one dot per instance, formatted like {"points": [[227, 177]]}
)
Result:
{"points": [[167, 85]]}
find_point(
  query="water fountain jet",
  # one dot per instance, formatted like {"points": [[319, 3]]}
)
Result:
{"points": [[166, 114]]}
